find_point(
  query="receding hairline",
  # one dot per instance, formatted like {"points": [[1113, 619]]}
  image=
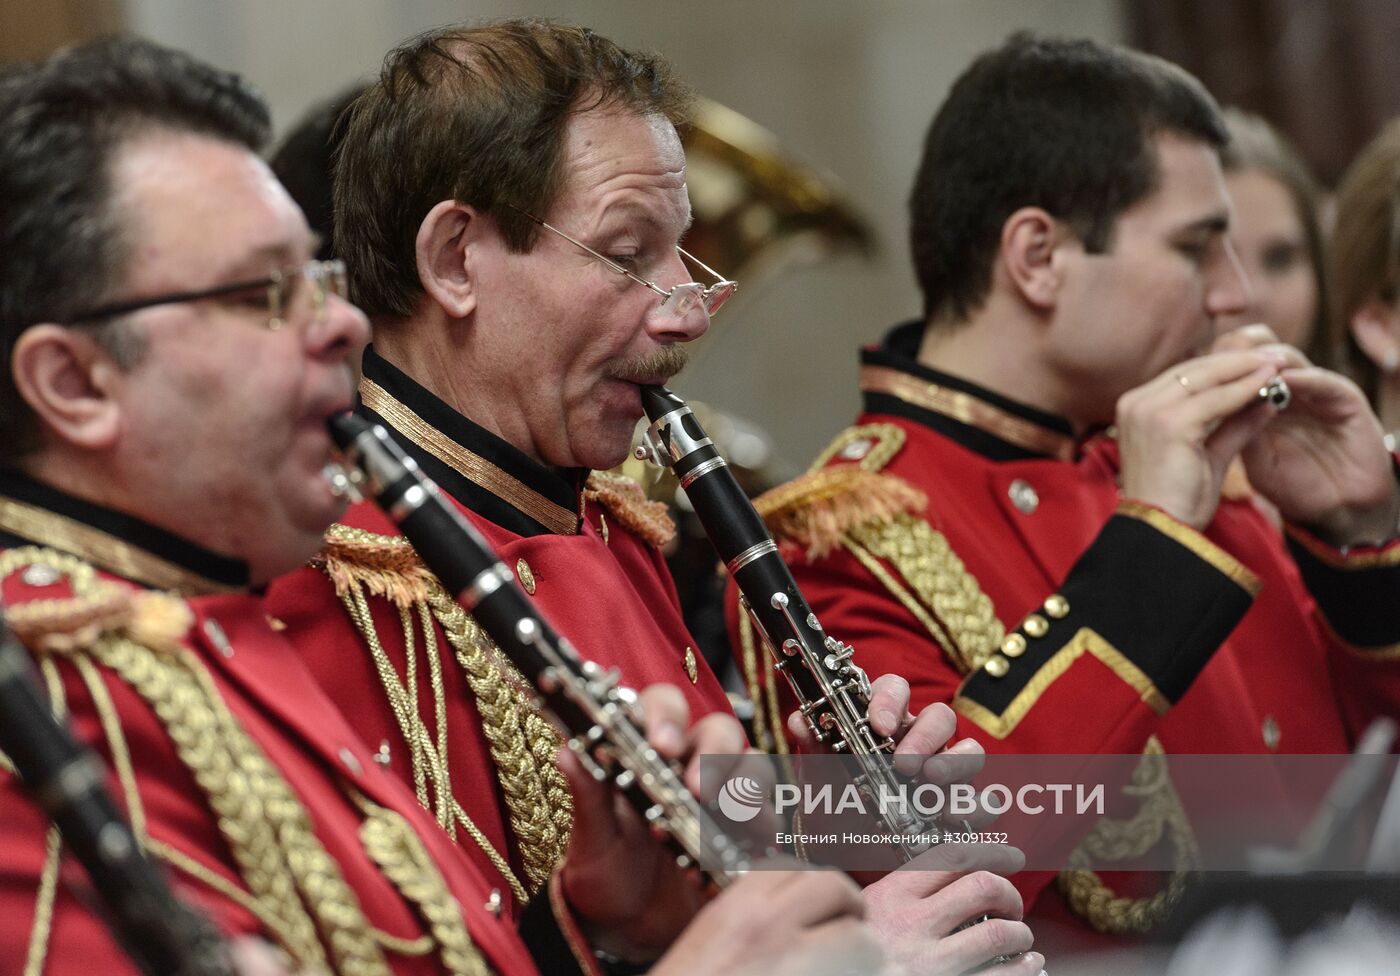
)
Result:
{"points": [[127, 210]]}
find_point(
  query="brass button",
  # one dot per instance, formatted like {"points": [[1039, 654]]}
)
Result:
{"points": [[997, 666], [381, 756], [526, 575], [275, 624], [494, 903], [603, 527], [1023, 496], [1014, 645], [1035, 625], [691, 670], [1272, 733], [1056, 606]]}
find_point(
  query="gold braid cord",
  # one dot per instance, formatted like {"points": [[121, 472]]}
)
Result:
{"points": [[266, 826], [1160, 815], [630, 507], [391, 843], [42, 928], [287, 870], [428, 759], [964, 622], [523, 743]]}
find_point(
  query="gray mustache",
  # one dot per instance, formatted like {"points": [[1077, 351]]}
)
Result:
{"points": [[666, 361]]}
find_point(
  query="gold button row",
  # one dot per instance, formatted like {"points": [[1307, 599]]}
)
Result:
{"points": [[1014, 644]]}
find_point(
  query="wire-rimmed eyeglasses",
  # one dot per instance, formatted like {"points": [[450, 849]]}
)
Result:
{"points": [[676, 301], [279, 290]]}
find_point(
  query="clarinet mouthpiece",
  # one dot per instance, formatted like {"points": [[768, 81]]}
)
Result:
{"points": [[658, 401], [345, 428]]}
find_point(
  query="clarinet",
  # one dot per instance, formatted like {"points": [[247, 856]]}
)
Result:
{"points": [[160, 934], [599, 717], [832, 690]]}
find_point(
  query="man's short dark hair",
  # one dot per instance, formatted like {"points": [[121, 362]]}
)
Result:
{"points": [[305, 163], [1063, 125], [62, 248], [475, 114]]}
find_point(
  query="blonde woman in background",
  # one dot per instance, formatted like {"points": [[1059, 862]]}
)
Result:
{"points": [[1277, 233]]}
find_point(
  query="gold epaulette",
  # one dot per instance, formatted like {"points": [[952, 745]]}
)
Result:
{"points": [[98, 607], [820, 507], [385, 565], [626, 501], [287, 879]]}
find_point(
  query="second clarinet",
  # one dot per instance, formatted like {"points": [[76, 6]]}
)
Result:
{"points": [[833, 692]]}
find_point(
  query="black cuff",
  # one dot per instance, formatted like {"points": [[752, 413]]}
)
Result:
{"points": [[1356, 591], [1151, 598]]}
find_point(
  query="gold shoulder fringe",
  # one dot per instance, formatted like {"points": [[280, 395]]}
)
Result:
{"points": [[385, 565], [817, 509], [628, 504]]}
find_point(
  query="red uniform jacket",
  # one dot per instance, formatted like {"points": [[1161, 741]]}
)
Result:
{"points": [[585, 548], [1057, 618], [219, 741]]}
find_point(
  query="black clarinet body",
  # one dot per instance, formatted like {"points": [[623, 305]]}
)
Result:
{"points": [[598, 715], [161, 935], [832, 691]]}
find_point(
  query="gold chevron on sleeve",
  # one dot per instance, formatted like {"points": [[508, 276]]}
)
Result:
{"points": [[1085, 641]]}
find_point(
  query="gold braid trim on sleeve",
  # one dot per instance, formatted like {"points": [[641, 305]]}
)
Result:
{"points": [[964, 622], [1160, 815], [523, 743], [770, 734], [628, 504]]}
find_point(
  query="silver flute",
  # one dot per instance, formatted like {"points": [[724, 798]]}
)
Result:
{"points": [[598, 715]]}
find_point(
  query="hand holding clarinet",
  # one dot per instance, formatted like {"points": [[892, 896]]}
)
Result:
{"points": [[630, 760]]}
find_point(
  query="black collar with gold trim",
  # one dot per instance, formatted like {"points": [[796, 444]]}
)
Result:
{"points": [[483, 472], [893, 382], [33, 513]]}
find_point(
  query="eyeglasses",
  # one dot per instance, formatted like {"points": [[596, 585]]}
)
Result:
{"points": [[676, 301], [284, 299]]}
